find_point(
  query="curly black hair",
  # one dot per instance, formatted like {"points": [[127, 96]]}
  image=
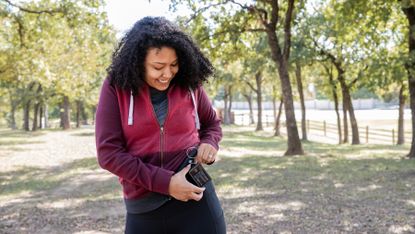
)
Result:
{"points": [[127, 68]]}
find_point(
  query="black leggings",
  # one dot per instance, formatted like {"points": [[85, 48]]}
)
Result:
{"points": [[192, 217]]}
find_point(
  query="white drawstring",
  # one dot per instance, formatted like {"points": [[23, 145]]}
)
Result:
{"points": [[197, 121], [130, 111]]}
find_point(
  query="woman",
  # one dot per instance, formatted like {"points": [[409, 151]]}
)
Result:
{"points": [[152, 112]]}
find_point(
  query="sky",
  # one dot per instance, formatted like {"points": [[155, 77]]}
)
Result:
{"points": [[122, 14]]}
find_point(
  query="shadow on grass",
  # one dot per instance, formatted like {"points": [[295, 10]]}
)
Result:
{"points": [[332, 188], [84, 134], [18, 137], [19, 142], [252, 140], [7, 133], [305, 193], [347, 149], [76, 196], [40, 181]]}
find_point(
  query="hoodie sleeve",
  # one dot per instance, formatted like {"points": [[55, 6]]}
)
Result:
{"points": [[111, 151], [210, 131]]}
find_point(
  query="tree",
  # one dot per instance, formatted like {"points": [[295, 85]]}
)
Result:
{"points": [[256, 64], [347, 33], [58, 51], [272, 18], [408, 7], [333, 86]]}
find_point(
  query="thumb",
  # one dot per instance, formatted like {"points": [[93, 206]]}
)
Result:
{"points": [[185, 169]]}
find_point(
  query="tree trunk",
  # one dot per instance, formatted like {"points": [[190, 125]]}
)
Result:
{"points": [[280, 55], [278, 119], [353, 123], [13, 107], [41, 118], [226, 112], [258, 80], [65, 113], [94, 110], [27, 102], [36, 108], [12, 119], [349, 105], [401, 133], [302, 101], [410, 67], [226, 120], [231, 117], [84, 116], [336, 106], [46, 114], [78, 114], [248, 98], [345, 122], [293, 142], [274, 108], [26, 115]]}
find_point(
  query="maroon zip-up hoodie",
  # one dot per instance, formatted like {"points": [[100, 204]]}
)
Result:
{"points": [[144, 155]]}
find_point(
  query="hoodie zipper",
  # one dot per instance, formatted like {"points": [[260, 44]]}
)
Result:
{"points": [[161, 145], [161, 129]]}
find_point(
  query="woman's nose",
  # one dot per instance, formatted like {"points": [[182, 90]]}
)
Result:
{"points": [[167, 73]]}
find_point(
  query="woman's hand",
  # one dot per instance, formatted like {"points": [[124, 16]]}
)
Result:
{"points": [[206, 154], [183, 190]]}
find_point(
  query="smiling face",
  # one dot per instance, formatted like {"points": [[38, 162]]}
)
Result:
{"points": [[161, 65]]}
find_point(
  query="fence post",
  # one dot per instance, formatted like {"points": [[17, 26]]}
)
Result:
{"points": [[393, 136], [367, 134], [324, 127]]}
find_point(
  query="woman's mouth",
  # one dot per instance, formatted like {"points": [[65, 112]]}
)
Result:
{"points": [[163, 81]]}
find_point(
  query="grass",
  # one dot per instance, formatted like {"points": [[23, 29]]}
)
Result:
{"points": [[330, 189], [254, 178], [257, 155]]}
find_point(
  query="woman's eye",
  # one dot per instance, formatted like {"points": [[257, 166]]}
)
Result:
{"points": [[158, 68]]}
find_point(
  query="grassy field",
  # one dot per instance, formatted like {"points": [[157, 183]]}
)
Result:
{"points": [[50, 183]]}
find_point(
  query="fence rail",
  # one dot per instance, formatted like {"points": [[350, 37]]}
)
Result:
{"points": [[368, 134]]}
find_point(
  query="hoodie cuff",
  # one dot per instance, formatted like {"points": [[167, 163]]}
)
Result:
{"points": [[162, 181], [210, 142]]}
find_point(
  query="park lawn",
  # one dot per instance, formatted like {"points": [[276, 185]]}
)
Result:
{"points": [[331, 189]]}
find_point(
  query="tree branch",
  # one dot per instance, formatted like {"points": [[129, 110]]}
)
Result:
{"points": [[327, 54], [287, 29], [359, 75], [251, 86], [43, 11], [262, 13], [274, 14], [20, 30], [203, 9], [241, 5], [253, 30]]}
